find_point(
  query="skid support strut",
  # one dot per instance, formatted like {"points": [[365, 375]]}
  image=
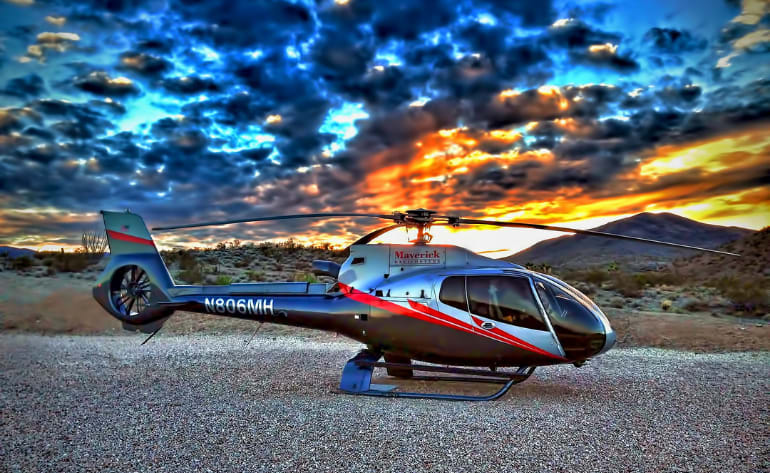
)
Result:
{"points": [[357, 379]]}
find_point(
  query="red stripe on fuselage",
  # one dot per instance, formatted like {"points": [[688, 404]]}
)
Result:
{"points": [[131, 238], [433, 316], [495, 331]]}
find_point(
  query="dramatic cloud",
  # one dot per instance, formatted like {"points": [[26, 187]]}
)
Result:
{"points": [[199, 110], [30, 85], [50, 41], [605, 55], [143, 63], [100, 83], [673, 41]]}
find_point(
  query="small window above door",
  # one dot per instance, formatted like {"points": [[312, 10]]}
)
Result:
{"points": [[453, 292]]}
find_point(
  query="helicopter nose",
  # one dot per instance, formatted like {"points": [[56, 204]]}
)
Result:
{"points": [[609, 339]]}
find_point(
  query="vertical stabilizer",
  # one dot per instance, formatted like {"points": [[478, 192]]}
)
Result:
{"points": [[127, 234]]}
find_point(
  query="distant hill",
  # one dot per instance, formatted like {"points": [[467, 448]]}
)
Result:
{"points": [[15, 252], [754, 261], [582, 250]]}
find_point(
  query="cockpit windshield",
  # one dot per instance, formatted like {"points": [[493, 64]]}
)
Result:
{"points": [[579, 330]]}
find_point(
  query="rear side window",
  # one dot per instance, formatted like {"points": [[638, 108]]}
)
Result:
{"points": [[506, 299], [453, 292]]}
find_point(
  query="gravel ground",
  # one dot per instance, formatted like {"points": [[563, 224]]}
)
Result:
{"points": [[209, 403]]}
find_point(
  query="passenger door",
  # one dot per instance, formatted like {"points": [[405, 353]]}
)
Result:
{"points": [[452, 302], [505, 307]]}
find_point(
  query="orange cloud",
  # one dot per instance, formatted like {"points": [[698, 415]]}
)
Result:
{"points": [[709, 180]]}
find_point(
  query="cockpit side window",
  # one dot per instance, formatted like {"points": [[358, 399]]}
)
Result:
{"points": [[453, 292], [506, 299], [550, 304]]}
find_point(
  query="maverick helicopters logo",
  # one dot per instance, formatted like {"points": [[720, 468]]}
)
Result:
{"points": [[413, 257]]}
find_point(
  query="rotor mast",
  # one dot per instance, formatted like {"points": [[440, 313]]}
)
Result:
{"points": [[421, 219]]}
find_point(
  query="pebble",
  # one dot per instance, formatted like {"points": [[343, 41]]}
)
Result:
{"points": [[213, 403]]}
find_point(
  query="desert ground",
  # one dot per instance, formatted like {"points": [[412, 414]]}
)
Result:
{"points": [[203, 402], [685, 389]]}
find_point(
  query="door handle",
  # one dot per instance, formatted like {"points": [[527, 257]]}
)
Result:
{"points": [[487, 325]]}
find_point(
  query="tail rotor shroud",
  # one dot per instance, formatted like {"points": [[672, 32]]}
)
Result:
{"points": [[130, 291]]}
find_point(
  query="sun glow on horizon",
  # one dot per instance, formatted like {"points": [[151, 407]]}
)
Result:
{"points": [[698, 177]]}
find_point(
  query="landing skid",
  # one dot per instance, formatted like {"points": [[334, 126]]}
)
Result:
{"points": [[357, 379]]}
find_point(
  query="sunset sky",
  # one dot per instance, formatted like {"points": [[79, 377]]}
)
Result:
{"points": [[569, 112]]}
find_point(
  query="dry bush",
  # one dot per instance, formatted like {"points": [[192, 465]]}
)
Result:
{"points": [[187, 260], [660, 278], [256, 276], [192, 275], [66, 262], [748, 294], [242, 262], [223, 280], [626, 284], [544, 268], [94, 245], [305, 277], [22, 263]]}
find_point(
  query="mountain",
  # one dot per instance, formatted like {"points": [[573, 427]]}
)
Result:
{"points": [[753, 263], [583, 250], [15, 252]]}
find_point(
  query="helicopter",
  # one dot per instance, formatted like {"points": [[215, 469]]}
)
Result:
{"points": [[465, 314]]}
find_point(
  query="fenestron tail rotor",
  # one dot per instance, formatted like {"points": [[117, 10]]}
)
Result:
{"points": [[423, 219], [130, 291]]}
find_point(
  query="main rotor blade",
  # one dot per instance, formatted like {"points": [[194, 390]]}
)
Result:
{"points": [[274, 217], [372, 235], [538, 226]]}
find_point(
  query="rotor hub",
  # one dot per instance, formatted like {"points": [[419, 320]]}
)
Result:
{"points": [[421, 219]]}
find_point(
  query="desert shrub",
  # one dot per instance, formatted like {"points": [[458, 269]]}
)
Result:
{"points": [[192, 275], [223, 280], [290, 245], [211, 259], [595, 276], [71, 262], [242, 262], [169, 256], [187, 260], [626, 284], [748, 294], [22, 263], [305, 277], [544, 268], [255, 276], [94, 245], [691, 304], [659, 278], [592, 276]]}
